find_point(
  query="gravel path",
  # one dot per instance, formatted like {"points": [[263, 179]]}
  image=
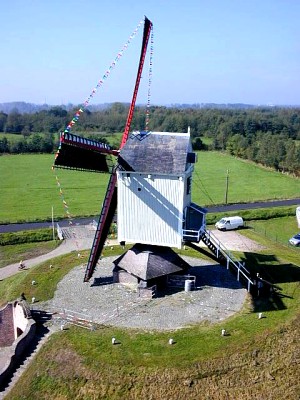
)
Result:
{"points": [[66, 246], [217, 296]]}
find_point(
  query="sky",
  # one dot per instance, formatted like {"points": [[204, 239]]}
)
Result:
{"points": [[204, 51]]}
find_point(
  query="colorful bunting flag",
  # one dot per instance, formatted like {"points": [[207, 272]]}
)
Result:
{"points": [[105, 76]]}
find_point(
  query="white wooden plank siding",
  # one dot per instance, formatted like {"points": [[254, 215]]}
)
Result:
{"points": [[150, 209]]}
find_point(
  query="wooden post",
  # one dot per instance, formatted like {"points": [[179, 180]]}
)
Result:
{"points": [[53, 231]]}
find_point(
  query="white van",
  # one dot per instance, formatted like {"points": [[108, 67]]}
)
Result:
{"points": [[229, 223]]}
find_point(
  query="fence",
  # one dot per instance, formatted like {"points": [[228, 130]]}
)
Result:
{"points": [[270, 235], [231, 261]]}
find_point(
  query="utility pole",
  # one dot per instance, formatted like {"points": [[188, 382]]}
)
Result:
{"points": [[53, 231], [227, 183]]}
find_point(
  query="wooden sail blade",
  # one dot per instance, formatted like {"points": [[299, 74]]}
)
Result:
{"points": [[105, 220], [79, 153], [146, 35]]}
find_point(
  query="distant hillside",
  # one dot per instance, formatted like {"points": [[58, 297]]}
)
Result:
{"points": [[30, 108]]}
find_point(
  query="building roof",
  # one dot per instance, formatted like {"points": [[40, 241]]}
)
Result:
{"points": [[156, 152], [147, 262]]}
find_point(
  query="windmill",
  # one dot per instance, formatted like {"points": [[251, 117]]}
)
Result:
{"points": [[150, 186]]}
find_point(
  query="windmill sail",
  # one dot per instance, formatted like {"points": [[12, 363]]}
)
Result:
{"points": [[105, 220], [76, 152], [110, 200]]}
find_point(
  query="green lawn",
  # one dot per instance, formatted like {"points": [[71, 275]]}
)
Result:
{"points": [[247, 182], [11, 254], [29, 189], [277, 229]]}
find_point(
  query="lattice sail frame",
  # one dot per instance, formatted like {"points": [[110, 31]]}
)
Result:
{"points": [[79, 153]]}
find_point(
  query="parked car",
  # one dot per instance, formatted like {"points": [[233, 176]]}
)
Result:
{"points": [[229, 223], [295, 240]]}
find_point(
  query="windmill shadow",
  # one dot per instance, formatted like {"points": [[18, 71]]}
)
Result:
{"points": [[102, 281], [214, 275], [270, 296], [270, 268]]}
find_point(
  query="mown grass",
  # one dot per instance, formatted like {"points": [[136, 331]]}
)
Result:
{"points": [[266, 370], [247, 182], [29, 189], [277, 229], [11, 254], [46, 278], [258, 359]]}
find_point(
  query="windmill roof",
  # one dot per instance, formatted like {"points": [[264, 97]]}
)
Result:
{"points": [[147, 262], [156, 152]]}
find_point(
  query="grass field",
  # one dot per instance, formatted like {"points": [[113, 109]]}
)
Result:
{"points": [[29, 189], [14, 253], [277, 229], [258, 360], [247, 182]]}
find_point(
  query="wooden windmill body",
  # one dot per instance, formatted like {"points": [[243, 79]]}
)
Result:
{"points": [[154, 188]]}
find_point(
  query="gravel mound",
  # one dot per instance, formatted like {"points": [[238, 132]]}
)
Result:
{"points": [[217, 295]]}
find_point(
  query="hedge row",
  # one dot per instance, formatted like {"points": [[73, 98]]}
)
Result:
{"points": [[254, 214], [37, 235]]}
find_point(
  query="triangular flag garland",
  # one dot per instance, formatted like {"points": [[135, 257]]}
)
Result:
{"points": [[149, 81], [101, 81], [68, 214]]}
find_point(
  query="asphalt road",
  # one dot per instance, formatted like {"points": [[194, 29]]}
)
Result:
{"points": [[86, 221]]}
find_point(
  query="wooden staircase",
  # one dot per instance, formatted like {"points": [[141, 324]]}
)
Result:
{"points": [[224, 257]]}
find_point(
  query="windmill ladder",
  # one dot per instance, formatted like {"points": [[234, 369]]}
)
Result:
{"points": [[224, 257]]}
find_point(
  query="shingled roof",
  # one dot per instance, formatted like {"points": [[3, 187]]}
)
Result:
{"points": [[156, 152], [147, 262]]}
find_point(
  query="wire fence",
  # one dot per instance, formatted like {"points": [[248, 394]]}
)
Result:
{"points": [[268, 233]]}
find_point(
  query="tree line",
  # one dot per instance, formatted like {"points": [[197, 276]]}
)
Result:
{"points": [[269, 136]]}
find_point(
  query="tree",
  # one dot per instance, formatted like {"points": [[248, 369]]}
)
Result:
{"points": [[3, 119], [198, 144], [14, 123], [4, 146]]}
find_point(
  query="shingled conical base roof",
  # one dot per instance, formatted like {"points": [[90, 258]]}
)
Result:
{"points": [[148, 262]]}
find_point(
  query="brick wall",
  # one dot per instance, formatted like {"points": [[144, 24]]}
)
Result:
{"points": [[7, 336]]}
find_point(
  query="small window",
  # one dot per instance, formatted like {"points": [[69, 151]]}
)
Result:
{"points": [[189, 185]]}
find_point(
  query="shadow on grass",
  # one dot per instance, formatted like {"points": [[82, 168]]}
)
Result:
{"points": [[268, 296], [270, 268]]}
